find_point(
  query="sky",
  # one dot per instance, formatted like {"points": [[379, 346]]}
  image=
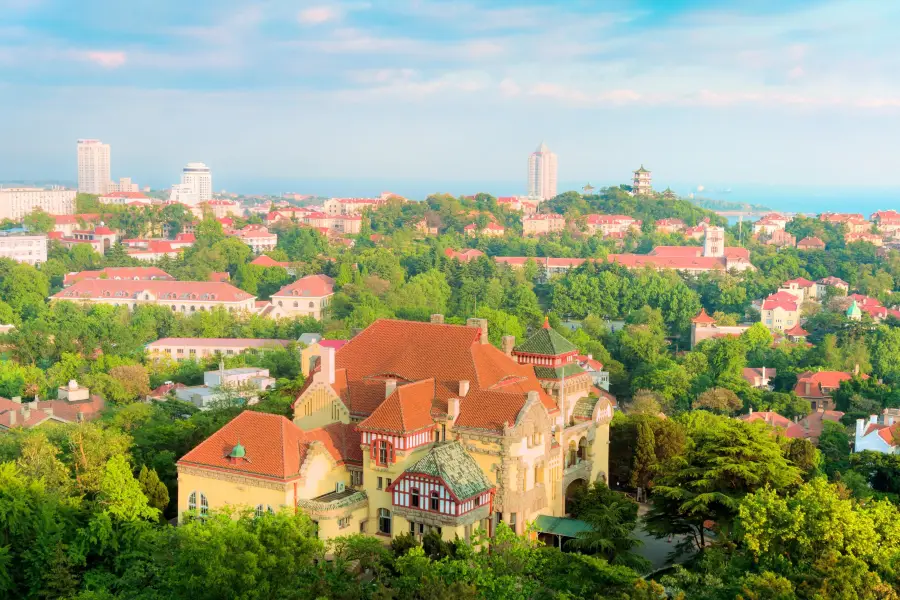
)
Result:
{"points": [[272, 93]]}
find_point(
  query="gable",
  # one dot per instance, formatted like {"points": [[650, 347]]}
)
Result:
{"points": [[319, 406]]}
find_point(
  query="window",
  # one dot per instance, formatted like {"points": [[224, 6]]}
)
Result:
{"points": [[312, 305], [344, 523], [296, 304], [414, 497], [192, 501], [412, 528], [379, 484], [261, 510], [435, 501], [356, 478], [437, 435], [384, 521], [388, 484], [512, 521], [204, 505], [384, 453]]}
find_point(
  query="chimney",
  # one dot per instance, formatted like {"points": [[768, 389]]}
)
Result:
{"points": [[463, 387], [32, 405], [860, 428], [326, 362], [389, 386], [482, 324], [12, 417], [509, 342], [764, 379], [453, 409], [751, 411], [856, 369], [26, 414], [437, 319], [17, 399]]}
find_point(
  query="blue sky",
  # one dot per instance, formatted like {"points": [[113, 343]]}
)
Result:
{"points": [[702, 92]]}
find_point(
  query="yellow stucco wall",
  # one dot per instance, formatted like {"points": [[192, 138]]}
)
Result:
{"points": [[222, 493], [319, 406]]}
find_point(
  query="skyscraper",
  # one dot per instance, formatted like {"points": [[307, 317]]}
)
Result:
{"points": [[93, 167], [542, 173], [195, 186]]}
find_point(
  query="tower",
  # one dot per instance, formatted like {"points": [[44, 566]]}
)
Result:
{"points": [[93, 167], [641, 184], [714, 242], [542, 173]]}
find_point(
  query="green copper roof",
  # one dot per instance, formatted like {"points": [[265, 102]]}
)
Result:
{"points": [[238, 451], [584, 408], [458, 470], [546, 341], [567, 370], [563, 526], [854, 310]]}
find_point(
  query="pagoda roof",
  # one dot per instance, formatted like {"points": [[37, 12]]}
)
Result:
{"points": [[702, 317], [547, 342], [642, 170], [455, 467]]}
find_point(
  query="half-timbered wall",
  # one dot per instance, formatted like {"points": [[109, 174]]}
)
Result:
{"points": [[400, 442], [426, 486]]}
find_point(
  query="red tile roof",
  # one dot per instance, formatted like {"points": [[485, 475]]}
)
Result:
{"points": [[783, 300], [800, 281], [406, 410], [267, 261], [134, 273], [311, 286], [275, 447], [342, 440], [819, 380], [464, 256], [796, 331], [703, 318], [136, 195], [163, 290], [810, 242], [410, 352], [678, 263]]}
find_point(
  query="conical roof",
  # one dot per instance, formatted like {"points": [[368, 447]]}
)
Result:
{"points": [[642, 170], [546, 342]]}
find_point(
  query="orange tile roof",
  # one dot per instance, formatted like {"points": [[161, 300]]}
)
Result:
{"points": [[411, 352], [703, 318], [114, 288], [275, 447], [311, 286], [406, 410], [342, 440], [134, 273]]}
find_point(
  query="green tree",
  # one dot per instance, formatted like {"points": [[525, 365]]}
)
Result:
{"points": [[644, 457], [156, 493], [718, 400], [38, 221]]}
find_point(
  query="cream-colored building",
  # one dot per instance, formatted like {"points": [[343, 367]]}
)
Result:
{"points": [[179, 296], [409, 428], [542, 224], [780, 311], [307, 297], [542, 173], [15, 203], [194, 348], [24, 248], [258, 237], [93, 167], [351, 206]]}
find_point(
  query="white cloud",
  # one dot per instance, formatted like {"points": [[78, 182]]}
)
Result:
{"points": [[317, 15], [104, 58]]}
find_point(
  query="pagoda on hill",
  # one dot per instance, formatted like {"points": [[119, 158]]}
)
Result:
{"points": [[555, 365]]}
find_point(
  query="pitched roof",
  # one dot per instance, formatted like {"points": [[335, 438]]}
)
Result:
{"points": [[409, 351], [406, 410], [342, 440], [134, 273], [455, 467], [127, 289], [311, 286], [217, 342], [267, 261], [703, 318], [800, 281], [783, 300], [811, 241], [796, 331], [547, 342]]}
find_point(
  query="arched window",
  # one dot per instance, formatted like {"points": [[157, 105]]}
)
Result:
{"points": [[204, 505], [435, 501], [192, 501], [384, 452], [279, 303], [312, 305], [414, 497], [193, 308], [582, 449], [384, 521], [260, 510], [296, 304]]}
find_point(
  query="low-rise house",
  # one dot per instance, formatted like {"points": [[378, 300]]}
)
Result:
{"points": [[669, 225], [267, 261], [609, 225], [787, 427], [780, 311], [814, 422], [221, 209], [195, 348], [704, 327], [307, 297], [119, 273], [423, 227], [871, 238], [759, 378], [75, 403], [125, 198], [489, 230], [854, 222], [542, 224], [239, 384], [887, 221], [817, 387], [803, 289], [823, 284], [464, 256], [878, 435], [352, 206], [258, 238], [811, 243], [769, 224], [594, 368], [180, 296], [101, 238], [796, 333], [780, 239]]}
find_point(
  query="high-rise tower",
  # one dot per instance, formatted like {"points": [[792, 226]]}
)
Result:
{"points": [[93, 167], [542, 173]]}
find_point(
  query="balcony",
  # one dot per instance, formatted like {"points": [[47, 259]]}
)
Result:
{"points": [[334, 504]]}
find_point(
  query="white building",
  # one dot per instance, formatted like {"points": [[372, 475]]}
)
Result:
{"points": [[15, 203], [125, 185], [878, 436], [542, 173], [93, 167], [195, 186], [244, 382], [24, 248]]}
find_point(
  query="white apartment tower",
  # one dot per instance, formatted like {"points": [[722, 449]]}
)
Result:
{"points": [[542, 173], [195, 186], [714, 242], [93, 167]]}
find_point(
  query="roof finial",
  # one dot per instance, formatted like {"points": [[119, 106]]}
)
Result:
{"points": [[546, 321]]}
